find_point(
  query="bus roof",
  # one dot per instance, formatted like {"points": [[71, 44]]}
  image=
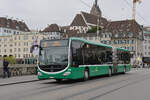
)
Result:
{"points": [[91, 42], [121, 49]]}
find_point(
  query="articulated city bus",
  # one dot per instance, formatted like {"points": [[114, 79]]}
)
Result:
{"points": [[76, 58]]}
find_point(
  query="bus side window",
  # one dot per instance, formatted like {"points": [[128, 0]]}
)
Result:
{"points": [[77, 53]]}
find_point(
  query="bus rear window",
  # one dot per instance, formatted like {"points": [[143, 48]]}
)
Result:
{"points": [[54, 43]]}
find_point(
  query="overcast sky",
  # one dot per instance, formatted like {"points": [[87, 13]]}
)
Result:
{"points": [[37, 14]]}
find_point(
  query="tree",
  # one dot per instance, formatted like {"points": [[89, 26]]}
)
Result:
{"points": [[11, 59], [93, 29]]}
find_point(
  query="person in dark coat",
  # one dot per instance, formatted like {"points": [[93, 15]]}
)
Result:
{"points": [[5, 68]]}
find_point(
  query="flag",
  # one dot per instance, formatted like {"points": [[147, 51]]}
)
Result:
{"points": [[35, 47], [137, 1]]}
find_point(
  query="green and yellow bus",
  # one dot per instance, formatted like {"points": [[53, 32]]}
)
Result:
{"points": [[77, 58]]}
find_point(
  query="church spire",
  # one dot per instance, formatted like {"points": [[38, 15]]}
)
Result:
{"points": [[95, 9], [95, 2]]}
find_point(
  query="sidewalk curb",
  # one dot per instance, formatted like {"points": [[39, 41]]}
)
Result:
{"points": [[19, 82]]}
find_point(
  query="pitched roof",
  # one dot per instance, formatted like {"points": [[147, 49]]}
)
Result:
{"points": [[124, 26], [52, 28], [86, 19], [92, 19], [78, 21], [13, 24]]}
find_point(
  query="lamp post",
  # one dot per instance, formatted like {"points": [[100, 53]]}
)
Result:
{"points": [[98, 21]]}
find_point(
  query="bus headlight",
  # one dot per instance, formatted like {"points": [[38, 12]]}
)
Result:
{"points": [[39, 74], [67, 73]]}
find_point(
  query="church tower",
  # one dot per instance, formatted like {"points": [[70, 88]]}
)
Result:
{"points": [[96, 10]]}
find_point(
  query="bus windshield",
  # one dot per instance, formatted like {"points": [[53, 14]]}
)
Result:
{"points": [[54, 55]]}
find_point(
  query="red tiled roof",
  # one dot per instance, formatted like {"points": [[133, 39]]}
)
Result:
{"points": [[78, 21], [124, 26], [13, 24], [52, 28], [92, 19]]}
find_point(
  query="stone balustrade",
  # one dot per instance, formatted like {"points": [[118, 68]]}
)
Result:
{"points": [[21, 69]]}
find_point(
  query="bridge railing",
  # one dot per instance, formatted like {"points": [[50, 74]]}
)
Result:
{"points": [[21, 69]]}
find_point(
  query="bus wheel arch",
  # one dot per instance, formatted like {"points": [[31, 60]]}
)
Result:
{"points": [[58, 80]]}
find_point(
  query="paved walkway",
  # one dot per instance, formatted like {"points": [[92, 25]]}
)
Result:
{"points": [[18, 79]]}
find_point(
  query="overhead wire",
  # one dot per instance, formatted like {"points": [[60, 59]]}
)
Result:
{"points": [[85, 3]]}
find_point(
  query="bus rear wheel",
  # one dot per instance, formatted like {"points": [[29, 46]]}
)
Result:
{"points": [[86, 75]]}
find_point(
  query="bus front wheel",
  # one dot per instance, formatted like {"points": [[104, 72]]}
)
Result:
{"points": [[86, 75]]}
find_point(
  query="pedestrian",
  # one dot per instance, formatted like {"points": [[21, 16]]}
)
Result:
{"points": [[5, 68]]}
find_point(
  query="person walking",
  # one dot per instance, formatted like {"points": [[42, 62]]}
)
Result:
{"points": [[5, 68]]}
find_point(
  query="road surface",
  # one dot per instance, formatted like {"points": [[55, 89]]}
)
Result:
{"points": [[134, 85]]}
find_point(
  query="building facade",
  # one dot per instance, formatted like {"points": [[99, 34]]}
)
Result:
{"points": [[53, 31], [146, 42], [19, 45], [127, 34], [12, 27]]}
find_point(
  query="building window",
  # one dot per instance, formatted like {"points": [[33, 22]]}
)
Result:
{"points": [[5, 39], [15, 49], [5, 50], [26, 37], [130, 34], [124, 34], [10, 45], [116, 35], [19, 37], [15, 55], [132, 48], [132, 41], [9, 31], [14, 32], [19, 49], [127, 41], [15, 38], [18, 55], [5, 45], [15, 44], [115, 41], [24, 49], [10, 50]]}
